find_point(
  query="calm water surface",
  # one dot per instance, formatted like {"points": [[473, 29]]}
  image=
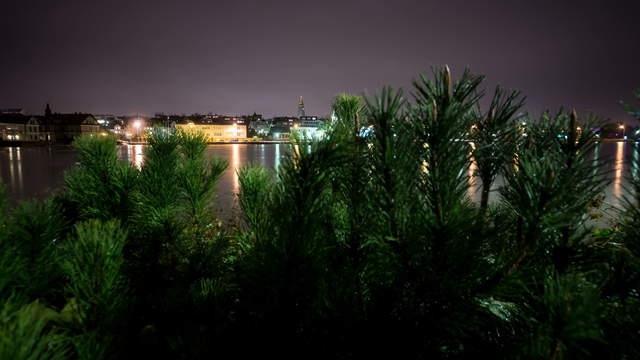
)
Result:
{"points": [[34, 172]]}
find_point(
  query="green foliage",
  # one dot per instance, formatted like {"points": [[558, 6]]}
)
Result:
{"points": [[25, 334], [567, 319], [3, 200], [348, 111], [384, 115], [97, 286], [495, 135], [197, 177], [101, 186], [256, 189], [291, 258], [363, 243], [158, 186], [30, 251], [630, 109], [94, 265], [441, 119], [550, 188], [622, 313]]}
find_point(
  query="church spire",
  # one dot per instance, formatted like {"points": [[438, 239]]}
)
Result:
{"points": [[47, 111], [301, 108]]}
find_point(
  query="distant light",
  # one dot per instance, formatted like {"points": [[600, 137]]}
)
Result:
{"points": [[137, 124], [621, 126]]}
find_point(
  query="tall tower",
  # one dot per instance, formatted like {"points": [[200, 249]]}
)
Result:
{"points": [[47, 111], [301, 108]]}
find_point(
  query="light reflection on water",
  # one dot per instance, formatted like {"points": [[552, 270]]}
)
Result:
{"points": [[277, 155], [473, 183], [235, 163], [634, 163], [618, 167], [34, 172], [136, 156]]}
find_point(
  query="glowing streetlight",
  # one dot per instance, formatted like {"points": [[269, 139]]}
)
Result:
{"points": [[621, 127], [137, 125]]}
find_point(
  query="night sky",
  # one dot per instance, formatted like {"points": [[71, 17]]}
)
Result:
{"points": [[237, 57]]}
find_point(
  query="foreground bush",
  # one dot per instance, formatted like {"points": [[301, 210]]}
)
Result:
{"points": [[364, 243]]}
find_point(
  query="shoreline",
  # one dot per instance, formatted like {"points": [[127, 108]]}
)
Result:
{"points": [[243, 142], [257, 142]]}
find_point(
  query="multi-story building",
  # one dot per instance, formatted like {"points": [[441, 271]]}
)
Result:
{"points": [[281, 126], [16, 127], [66, 127], [108, 120], [63, 128], [226, 129], [309, 127], [260, 127]]}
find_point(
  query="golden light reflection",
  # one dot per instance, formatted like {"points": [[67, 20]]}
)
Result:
{"points": [[136, 155], [12, 170], [618, 166], [471, 171], [19, 166], [235, 162]]}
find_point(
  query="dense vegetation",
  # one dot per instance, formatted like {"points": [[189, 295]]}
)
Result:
{"points": [[362, 244]]}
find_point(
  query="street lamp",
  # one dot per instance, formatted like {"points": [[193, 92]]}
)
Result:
{"points": [[137, 124], [622, 128]]}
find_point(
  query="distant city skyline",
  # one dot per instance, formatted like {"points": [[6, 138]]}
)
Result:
{"points": [[240, 57]]}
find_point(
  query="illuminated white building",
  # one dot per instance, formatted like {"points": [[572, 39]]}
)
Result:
{"points": [[309, 127], [219, 131]]}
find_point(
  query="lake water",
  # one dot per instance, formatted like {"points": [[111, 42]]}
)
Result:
{"points": [[34, 172]]}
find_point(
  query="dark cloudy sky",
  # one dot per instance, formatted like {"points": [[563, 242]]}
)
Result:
{"points": [[237, 57]]}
